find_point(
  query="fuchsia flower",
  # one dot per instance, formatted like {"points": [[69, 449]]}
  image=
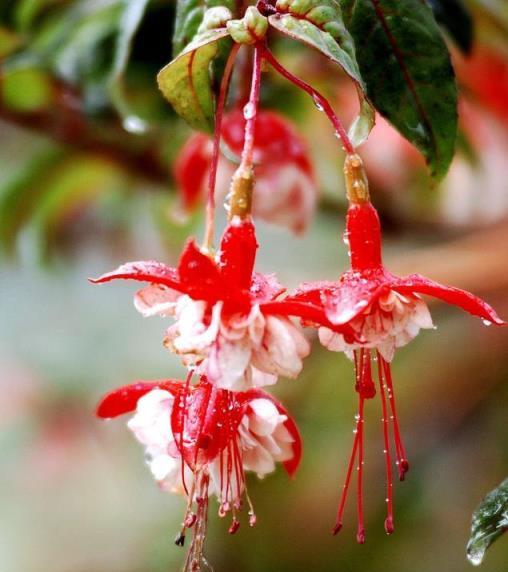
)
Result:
{"points": [[286, 191], [229, 320], [384, 312], [200, 440]]}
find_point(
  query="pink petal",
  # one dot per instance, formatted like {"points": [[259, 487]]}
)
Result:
{"points": [[156, 300], [465, 300], [292, 465], [265, 287], [143, 271]]}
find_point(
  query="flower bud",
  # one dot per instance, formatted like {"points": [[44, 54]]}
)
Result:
{"points": [[250, 29], [216, 17]]}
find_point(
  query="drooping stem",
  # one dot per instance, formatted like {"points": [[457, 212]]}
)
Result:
{"points": [[243, 180], [318, 98], [212, 177], [386, 451], [402, 462]]}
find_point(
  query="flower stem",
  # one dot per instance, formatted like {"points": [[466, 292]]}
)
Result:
{"points": [[318, 98], [243, 180], [212, 178]]}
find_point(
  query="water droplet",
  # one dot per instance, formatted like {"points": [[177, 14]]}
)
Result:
{"points": [[357, 416], [317, 103], [475, 556], [487, 322], [249, 111], [134, 124]]}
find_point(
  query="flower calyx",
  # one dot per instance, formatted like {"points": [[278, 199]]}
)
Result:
{"points": [[357, 184], [250, 29]]}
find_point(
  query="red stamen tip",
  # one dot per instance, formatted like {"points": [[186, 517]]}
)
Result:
{"points": [[389, 528], [403, 469], [190, 520], [360, 536], [337, 528], [235, 525]]}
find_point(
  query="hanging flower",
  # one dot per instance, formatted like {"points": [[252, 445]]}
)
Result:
{"points": [[286, 192], [229, 321], [200, 440], [385, 312]]}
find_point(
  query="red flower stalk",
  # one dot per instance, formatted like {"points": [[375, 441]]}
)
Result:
{"points": [[384, 312], [230, 321], [286, 191], [200, 440]]}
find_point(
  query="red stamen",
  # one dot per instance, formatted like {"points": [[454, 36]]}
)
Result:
{"points": [[360, 535], [402, 462], [342, 504], [186, 393], [388, 460]]}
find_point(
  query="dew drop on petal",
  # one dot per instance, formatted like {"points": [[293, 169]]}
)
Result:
{"points": [[487, 322]]}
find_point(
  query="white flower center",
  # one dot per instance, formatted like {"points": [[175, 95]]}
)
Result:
{"points": [[390, 322]]}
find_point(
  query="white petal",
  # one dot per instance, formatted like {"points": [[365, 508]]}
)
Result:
{"points": [[156, 300]]}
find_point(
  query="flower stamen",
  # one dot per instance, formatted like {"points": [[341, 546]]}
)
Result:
{"points": [[402, 462], [386, 450]]}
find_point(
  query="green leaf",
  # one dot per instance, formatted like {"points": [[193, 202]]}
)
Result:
{"points": [[406, 66], [130, 20], [455, 17], [490, 521], [186, 81], [26, 90], [189, 14], [308, 33]]}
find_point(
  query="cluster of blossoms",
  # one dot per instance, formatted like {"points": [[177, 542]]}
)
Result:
{"points": [[236, 330]]}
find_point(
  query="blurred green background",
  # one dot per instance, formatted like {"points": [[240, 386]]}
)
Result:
{"points": [[79, 195]]}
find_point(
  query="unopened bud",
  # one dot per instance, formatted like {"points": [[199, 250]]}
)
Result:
{"points": [[250, 29]]}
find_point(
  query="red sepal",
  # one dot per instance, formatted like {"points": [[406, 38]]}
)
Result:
{"points": [[143, 271], [455, 296], [124, 399], [199, 274]]}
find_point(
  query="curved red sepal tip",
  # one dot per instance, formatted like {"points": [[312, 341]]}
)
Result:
{"points": [[124, 399], [449, 294], [142, 271]]}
